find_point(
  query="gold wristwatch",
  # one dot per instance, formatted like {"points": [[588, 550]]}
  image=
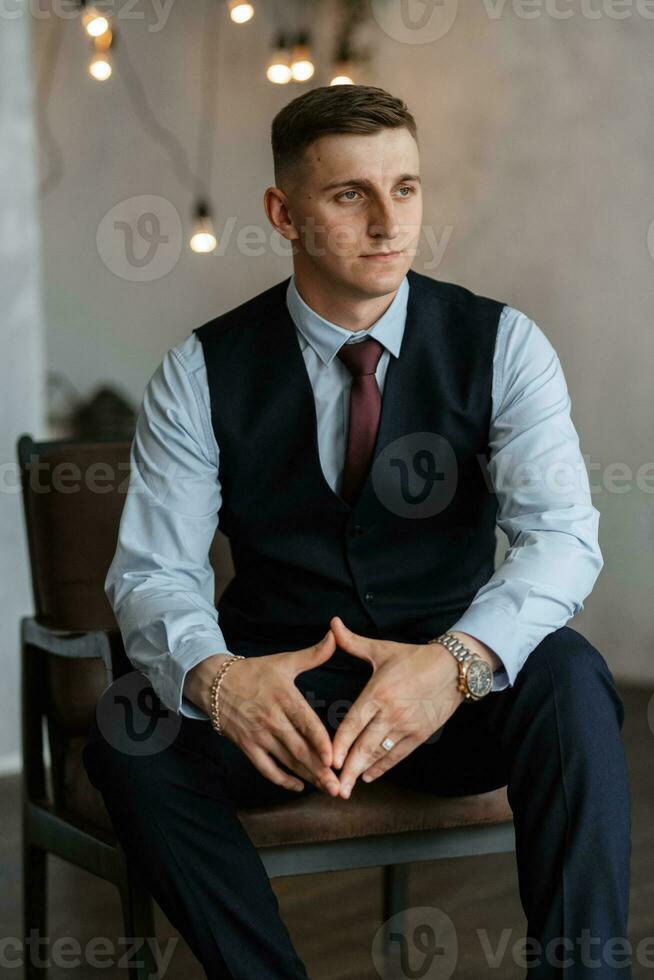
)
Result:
{"points": [[475, 674]]}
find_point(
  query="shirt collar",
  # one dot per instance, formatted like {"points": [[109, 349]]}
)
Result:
{"points": [[326, 337]]}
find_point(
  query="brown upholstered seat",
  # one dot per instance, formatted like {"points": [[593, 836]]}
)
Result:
{"points": [[375, 808]]}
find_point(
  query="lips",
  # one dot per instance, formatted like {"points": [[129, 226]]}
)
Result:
{"points": [[381, 255]]}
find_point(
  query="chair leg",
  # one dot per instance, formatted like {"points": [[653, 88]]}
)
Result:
{"points": [[395, 901], [138, 920], [35, 907]]}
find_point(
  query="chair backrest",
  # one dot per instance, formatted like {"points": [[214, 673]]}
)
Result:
{"points": [[73, 496]]}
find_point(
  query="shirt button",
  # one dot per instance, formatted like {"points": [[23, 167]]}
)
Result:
{"points": [[369, 596]]}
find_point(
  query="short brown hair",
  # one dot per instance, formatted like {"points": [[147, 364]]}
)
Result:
{"points": [[332, 109]]}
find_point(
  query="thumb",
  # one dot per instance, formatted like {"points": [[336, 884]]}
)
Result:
{"points": [[323, 650], [358, 646], [315, 655]]}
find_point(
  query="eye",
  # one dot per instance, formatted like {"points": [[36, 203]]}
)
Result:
{"points": [[405, 187]]}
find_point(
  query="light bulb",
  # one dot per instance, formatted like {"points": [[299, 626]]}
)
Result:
{"points": [[94, 23], [203, 242], [343, 67], [302, 69], [203, 239], [342, 79], [279, 69], [240, 12], [278, 72], [100, 67]]}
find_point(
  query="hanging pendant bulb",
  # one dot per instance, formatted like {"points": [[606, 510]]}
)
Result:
{"points": [[342, 73], [302, 66], [94, 23], [100, 67], [100, 64], [343, 76], [240, 11], [279, 66], [343, 67], [203, 240]]}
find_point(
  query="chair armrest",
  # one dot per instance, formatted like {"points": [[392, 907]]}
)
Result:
{"points": [[107, 644], [37, 642]]}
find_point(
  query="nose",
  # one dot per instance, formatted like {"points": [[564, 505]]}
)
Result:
{"points": [[383, 221]]}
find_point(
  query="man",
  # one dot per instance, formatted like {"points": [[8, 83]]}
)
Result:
{"points": [[358, 430]]}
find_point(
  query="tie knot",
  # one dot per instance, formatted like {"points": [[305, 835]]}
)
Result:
{"points": [[361, 357]]}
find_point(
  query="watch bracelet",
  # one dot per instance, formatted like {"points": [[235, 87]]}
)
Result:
{"points": [[463, 655], [215, 690]]}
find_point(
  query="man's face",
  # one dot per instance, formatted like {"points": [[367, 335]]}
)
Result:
{"points": [[359, 195]]}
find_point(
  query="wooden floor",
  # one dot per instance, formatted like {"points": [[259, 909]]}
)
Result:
{"points": [[333, 918]]}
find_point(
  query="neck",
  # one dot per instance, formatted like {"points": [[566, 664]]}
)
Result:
{"points": [[347, 309]]}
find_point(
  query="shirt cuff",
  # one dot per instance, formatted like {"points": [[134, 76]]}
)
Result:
{"points": [[193, 651], [496, 627]]}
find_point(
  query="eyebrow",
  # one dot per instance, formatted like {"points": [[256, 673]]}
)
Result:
{"points": [[364, 182]]}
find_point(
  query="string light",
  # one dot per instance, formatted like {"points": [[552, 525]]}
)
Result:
{"points": [[203, 239], [343, 73], [100, 65], [203, 236], [94, 23], [279, 66], [240, 12], [302, 67], [285, 64], [343, 69]]}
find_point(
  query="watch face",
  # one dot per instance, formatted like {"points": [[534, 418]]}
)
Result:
{"points": [[479, 678]]}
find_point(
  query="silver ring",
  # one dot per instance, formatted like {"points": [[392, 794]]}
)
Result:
{"points": [[388, 743]]}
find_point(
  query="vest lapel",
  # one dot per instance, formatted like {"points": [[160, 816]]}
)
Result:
{"points": [[290, 366]]}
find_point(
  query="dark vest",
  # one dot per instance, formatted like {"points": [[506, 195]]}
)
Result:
{"points": [[406, 559]]}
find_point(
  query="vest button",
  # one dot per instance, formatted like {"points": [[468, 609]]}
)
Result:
{"points": [[357, 529], [369, 596]]}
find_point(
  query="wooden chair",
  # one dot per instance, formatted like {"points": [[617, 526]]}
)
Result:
{"points": [[72, 650]]}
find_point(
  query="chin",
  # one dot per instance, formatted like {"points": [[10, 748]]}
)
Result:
{"points": [[389, 277], [371, 280]]}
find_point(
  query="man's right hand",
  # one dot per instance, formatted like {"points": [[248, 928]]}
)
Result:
{"points": [[266, 715]]}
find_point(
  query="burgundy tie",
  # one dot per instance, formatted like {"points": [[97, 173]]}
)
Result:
{"points": [[361, 359]]}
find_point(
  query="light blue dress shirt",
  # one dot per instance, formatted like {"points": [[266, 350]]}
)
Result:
{"points": [[161, 583]]}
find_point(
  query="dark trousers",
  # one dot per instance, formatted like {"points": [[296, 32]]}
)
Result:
{"points": [[553, 738]]}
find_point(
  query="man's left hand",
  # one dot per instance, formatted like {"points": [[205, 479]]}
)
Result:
{"points": [[412, 693]]}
